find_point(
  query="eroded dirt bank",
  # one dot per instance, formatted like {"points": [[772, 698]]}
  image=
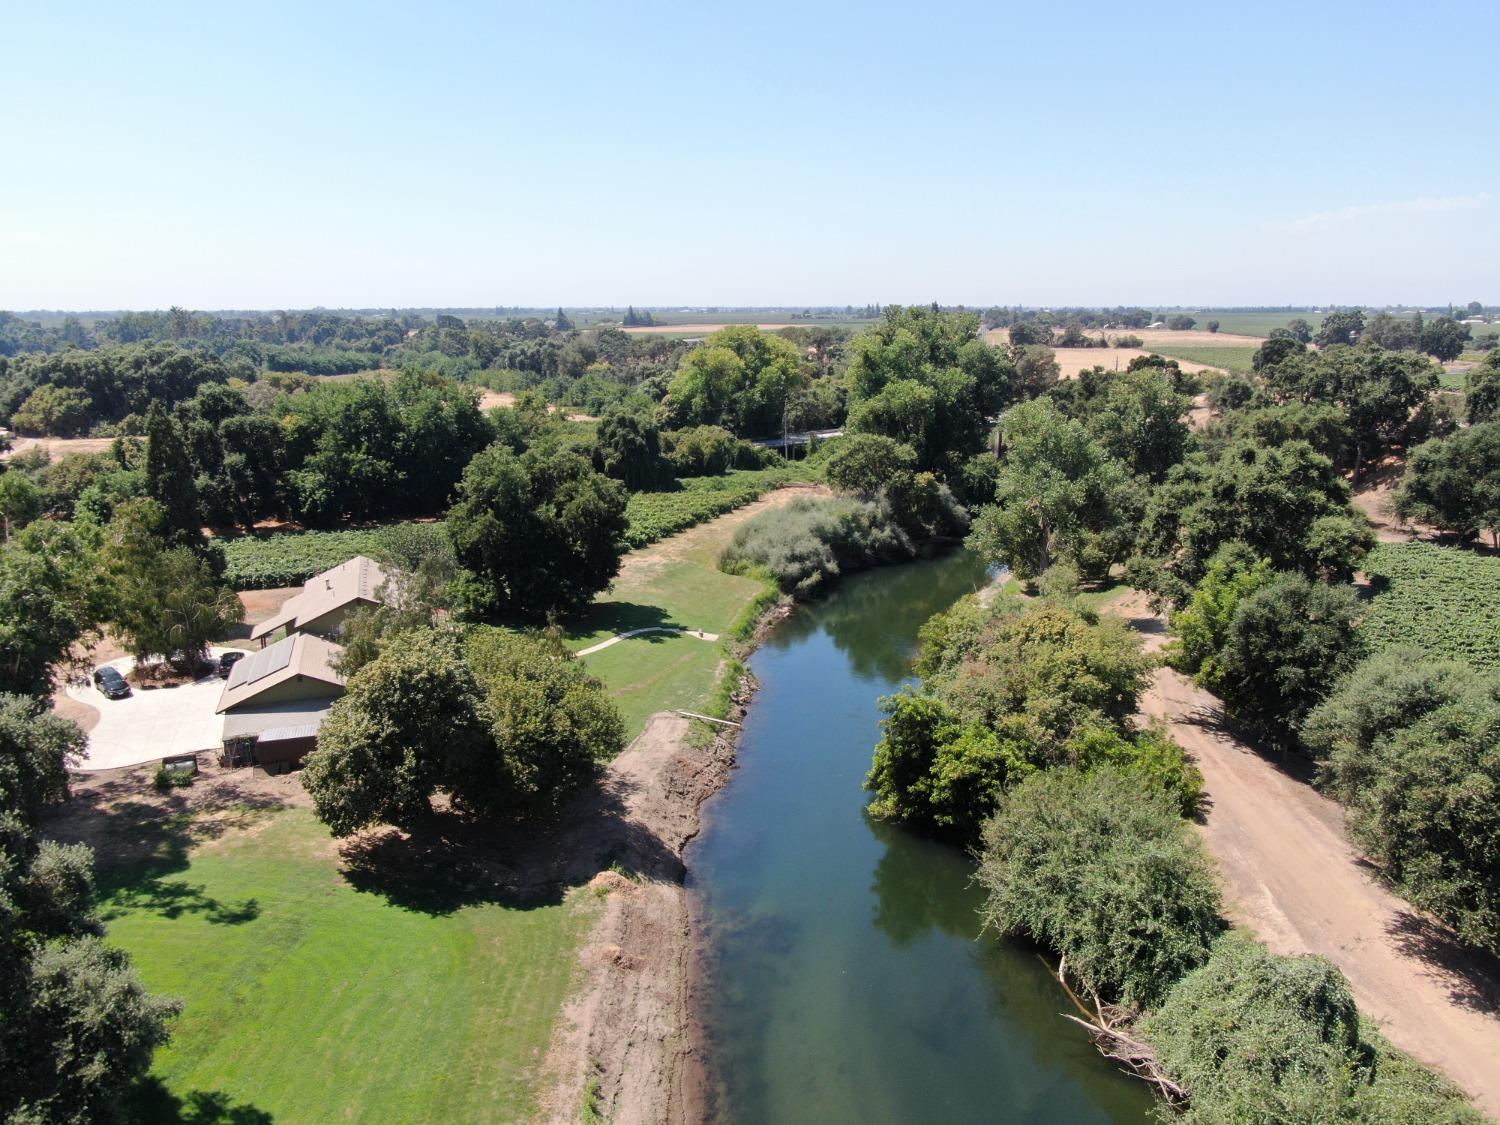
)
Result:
{"points": [[626, 1039]]}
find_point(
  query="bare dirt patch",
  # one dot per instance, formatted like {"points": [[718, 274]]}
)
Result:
{"points": [[262, 605], [1291, 875], [489, 400], [121, 815], [56, 447], [1072, 361]]}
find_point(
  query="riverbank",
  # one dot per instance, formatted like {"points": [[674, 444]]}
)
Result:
{"points": [[631, 1044]]}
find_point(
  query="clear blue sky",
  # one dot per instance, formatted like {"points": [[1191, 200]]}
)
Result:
{"points": [[288, 155]]}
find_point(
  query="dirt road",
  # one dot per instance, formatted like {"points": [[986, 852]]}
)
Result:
{"points": [[1291, 875]]}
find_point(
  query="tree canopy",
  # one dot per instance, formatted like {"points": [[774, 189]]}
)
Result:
{"points": [[536, 534], [1059, 495]]}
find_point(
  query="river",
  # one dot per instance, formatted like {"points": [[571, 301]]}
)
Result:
{"points": [[848, 978]]}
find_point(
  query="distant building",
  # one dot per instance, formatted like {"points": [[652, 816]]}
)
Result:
{"points": [[326, 599], [276, 699]]}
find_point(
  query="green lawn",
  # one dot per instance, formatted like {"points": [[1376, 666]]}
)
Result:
{"points": [[666, 585], [307, 999]]}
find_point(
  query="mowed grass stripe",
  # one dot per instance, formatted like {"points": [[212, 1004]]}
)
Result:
{"points": [[327, 1003]]}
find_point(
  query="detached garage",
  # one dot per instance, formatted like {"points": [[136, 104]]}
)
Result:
{"points": [[276, 699]]}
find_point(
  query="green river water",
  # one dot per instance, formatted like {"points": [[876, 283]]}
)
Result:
{"points": [[848, 979]]}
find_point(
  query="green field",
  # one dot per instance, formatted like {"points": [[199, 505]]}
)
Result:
{"points": [[1443, 600], [1253, 324], [313, 995], [1235, 359]]}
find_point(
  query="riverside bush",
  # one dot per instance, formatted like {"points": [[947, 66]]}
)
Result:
{"points": [[811, 540], [1255, 1037], [1101, 868]]}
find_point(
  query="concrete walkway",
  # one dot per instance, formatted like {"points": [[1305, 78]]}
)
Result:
{"points": [[618, 637], [150, 724]]}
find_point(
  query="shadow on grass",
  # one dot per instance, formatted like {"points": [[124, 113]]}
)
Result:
{"points": [[143, 845], [151, 1103], [622, 617], [453, 861]]}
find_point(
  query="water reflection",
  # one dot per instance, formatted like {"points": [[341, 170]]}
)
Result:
{"points": [[850, 980]]}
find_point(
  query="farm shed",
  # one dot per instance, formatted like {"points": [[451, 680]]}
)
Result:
{"points": [[275, 700], [326, 599]]}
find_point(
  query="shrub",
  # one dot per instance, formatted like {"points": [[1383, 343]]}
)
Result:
{"points": [[1255, 1037], [1101, 868], [1412, 748], [810, 541]]}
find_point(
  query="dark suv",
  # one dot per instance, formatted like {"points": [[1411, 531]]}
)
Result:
{"points": [[228, 661], [111, 683]]}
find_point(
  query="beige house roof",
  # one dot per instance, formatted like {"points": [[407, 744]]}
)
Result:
{"points": [[300, 655], [357, 580]]}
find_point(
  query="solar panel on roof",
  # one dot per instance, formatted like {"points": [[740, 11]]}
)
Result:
{"points": [[266, 662]]}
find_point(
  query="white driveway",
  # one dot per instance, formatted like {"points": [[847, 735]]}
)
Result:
{"points": [[150, 724]]}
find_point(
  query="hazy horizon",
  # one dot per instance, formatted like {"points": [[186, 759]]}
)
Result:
{"points": [[476, 156]]}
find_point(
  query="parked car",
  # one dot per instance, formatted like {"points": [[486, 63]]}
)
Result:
{"points": [[111, 683], [228, 661]]}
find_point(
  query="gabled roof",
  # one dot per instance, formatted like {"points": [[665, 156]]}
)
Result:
{"points": [[357, 580], [298, 655]]}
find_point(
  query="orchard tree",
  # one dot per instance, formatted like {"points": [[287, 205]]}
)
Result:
{"points": [[925, 378], [865, 464], [170, 479], [50, 599], [551, 725], [627, 448], [1286, 503], [1453, 483], [741, 379], [77, 1029], [1139, 421], [164, 601], [1037, 371], [1482, 398], [20, 502], [1287, 644], [535, 535], [1393, 333], [1378, 391], [1343, 327], [36, 749]]}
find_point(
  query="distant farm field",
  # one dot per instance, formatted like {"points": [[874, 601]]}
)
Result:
{"points": [[1443, 600], [1232, 358], [1255, 324]]}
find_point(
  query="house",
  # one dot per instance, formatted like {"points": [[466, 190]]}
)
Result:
{"points": [[326, 599], [276, 699]]}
